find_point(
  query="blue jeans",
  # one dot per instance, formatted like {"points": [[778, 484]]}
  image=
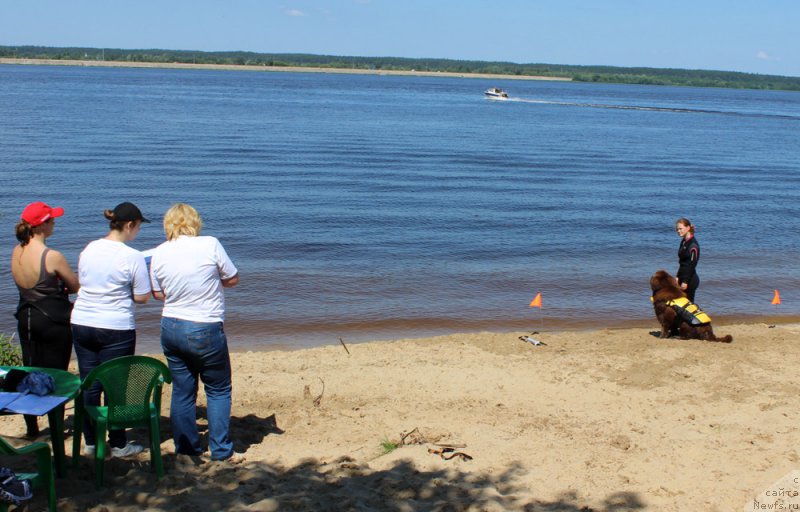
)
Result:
{"points": [[93, 347], [198, 349]]}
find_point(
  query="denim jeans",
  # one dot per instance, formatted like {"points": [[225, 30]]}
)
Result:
{"points": [[93, 347], [198, 349]]}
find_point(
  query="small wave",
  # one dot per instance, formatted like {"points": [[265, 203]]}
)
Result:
{"points": [[656, 109]]}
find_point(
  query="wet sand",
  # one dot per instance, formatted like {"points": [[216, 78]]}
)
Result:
{"points": [[593, 420]]}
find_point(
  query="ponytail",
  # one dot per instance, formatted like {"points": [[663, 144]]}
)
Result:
{"points": [[24, 233], [114, 224]]}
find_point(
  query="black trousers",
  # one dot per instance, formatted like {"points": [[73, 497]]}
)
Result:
{"points": [[44, 343], [691, 287]]}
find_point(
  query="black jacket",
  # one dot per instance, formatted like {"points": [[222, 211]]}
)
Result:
{"points": [[688, 256]]}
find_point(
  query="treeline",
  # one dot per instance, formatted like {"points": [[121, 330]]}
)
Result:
{"points": [[685, 77], [606, 74]]}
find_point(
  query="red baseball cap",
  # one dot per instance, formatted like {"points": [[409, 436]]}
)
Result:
{"points": [[38, 213]]}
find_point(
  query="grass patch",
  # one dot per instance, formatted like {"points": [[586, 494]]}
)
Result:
{"points": [[388, 446], [10, 354]]}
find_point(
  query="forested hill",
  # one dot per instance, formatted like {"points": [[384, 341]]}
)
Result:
{"points": [[608, 74]]}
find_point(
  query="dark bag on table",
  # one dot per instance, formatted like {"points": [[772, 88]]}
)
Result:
{"points": [[13, 379], [37, 383]]}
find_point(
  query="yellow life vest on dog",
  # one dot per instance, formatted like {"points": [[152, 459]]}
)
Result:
{"points": [[689, 311]]}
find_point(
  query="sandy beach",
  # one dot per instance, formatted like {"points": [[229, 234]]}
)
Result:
{"points": [[283, 69], [594, 420]]}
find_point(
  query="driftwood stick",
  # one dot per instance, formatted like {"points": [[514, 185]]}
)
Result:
{"points": [[404, 435], [345, 346], [450, 445]]}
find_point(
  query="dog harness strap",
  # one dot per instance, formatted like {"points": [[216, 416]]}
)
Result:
{"points": [[689, 311]]}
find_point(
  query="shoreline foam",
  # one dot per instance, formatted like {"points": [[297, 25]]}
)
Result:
{"points": [[252, 338]]}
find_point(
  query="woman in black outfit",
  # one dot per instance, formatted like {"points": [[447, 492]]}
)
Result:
{"points": [[44, 279], [688, 256]]}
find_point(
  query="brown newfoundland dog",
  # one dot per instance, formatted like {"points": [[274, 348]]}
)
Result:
{"points": [[665, 288]]}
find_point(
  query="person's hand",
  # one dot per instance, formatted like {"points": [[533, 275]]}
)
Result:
{"points": [[684, 286]]}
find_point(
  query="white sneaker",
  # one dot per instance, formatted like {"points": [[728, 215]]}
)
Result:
{"points": [[127, 450], [88, 449], [235, 458]]}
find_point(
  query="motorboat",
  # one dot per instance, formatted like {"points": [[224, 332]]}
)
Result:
{"points": [[496, 93]]}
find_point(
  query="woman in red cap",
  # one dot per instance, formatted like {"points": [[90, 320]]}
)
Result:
{"points": [[44, 279]]}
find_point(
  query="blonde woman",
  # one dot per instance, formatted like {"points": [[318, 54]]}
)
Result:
{"points": [[188, 272], [44, 279]]}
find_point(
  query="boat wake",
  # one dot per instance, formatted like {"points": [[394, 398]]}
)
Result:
{"points": [[654, 109]]}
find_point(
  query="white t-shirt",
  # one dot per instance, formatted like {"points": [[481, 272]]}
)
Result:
{"points": [[189, 271], [110, 273]]}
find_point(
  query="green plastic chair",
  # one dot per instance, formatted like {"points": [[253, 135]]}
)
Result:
{"points": [[43, 477], [132, 387]]}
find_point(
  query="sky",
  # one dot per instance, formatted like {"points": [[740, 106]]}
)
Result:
{"points": [[733, 35]]}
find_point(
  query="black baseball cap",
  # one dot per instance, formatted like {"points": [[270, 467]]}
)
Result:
{"points": [[127, 212]]}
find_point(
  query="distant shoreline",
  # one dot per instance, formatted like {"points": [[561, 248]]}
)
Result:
{"points": [[285, 69]]}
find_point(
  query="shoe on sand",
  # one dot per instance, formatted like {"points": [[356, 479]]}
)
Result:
{"points": [[127, 450], [185, 462], [12, 489], [235, 458]]}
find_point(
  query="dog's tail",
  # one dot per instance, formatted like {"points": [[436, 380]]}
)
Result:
{"points": [[725, 339]]}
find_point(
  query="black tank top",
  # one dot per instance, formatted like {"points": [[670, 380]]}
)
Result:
{"points": [[48, 296], [47, 285]]}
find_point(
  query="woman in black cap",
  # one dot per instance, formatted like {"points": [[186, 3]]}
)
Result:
{"points": [[113, 278], [44, 279]]}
